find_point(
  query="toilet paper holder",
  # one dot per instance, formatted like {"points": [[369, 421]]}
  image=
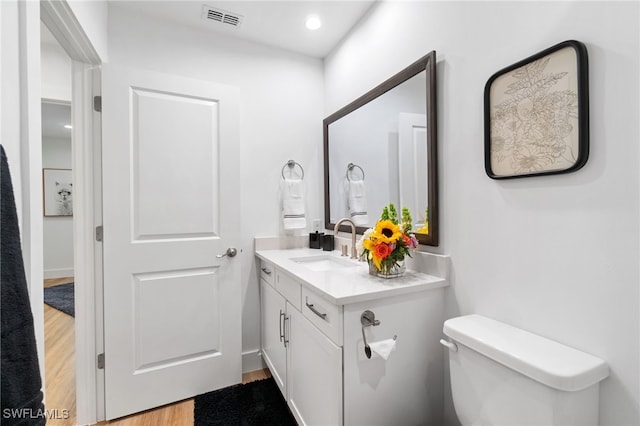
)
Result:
{"points": [[368, 318]]}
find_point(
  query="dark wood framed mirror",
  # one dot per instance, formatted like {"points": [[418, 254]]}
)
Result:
{"points": [[382, 148]]}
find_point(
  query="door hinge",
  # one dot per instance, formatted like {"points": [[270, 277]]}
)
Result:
{"points": [[97, 103], [99, 233], [101, 361]]}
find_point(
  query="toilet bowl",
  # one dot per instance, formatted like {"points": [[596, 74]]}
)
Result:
{"points": [[502, 375]]}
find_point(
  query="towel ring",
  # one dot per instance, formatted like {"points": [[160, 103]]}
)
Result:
{"points": [[291, 164], [350, 168]]}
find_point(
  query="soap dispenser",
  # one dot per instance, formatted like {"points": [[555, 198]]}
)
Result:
{"points": [[315, 240]]}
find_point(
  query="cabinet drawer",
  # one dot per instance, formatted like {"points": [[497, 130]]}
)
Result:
{"points": [[267, 272], [323, 314], [289, 288]]}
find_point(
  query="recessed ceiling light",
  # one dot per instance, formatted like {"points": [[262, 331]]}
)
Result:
{"points": [[313, 22], [68, 126]]}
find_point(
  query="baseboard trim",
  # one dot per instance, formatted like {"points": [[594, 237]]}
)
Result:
{"points": [[58, 273], [252, 361]]}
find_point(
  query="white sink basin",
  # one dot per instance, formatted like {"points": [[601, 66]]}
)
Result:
{"points": [[324, 262]]}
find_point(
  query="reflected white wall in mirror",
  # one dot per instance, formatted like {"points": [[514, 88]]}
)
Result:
{"points": [[369, 138], [389, 135], [57, 232]]}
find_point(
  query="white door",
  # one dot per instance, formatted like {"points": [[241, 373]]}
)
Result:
{"points": [[412, 164], [170, 195]]}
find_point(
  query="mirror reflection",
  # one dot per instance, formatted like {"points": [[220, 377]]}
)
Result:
{"points": [[380, 149], [384, 138]]}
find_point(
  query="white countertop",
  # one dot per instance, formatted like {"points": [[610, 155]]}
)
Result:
{"points": [[351, 284]]}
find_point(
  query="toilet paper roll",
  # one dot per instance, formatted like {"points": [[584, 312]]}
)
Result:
{"points": [[383, 348]]}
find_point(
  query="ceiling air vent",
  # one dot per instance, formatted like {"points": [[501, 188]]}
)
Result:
{"points": [[221, 16]]}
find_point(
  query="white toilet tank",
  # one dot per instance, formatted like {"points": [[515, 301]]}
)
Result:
{"points": [[502, 375]]}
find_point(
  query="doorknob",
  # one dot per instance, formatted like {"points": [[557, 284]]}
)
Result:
{"points": [[231, 252]]}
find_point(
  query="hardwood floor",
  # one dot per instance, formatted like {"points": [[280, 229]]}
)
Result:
{"points": [[177, 414], [59, 362], [61, 379], [57, 281]]}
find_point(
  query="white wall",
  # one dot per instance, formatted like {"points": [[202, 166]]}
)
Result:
{"points": [[93, 17], [20, 136], [280, 119], [58, 230], [56, 72], [10, 99], [556, 255], [56, 154]]}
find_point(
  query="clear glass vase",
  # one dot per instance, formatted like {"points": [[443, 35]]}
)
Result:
{"points": [[392, 271]]}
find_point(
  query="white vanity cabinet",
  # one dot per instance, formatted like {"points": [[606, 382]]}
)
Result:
{"points": [[305, 363], [274, 351], [312, 340], [314, 380]]}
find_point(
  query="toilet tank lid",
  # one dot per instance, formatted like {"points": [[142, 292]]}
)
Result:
{"points": [[544, 360]]}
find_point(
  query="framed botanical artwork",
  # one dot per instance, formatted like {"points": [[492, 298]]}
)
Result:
{"points": [[536, 114], [58, 192]]}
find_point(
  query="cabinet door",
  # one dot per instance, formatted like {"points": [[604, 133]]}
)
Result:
{"points": [[315, 374], [274, 351]]}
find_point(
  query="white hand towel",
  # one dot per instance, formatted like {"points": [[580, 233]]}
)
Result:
{"points": [[293, 214], [383, 348], [358, 202]]}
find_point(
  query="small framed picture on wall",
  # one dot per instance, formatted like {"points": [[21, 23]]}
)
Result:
{"points": [[536, 114], [58, 192]]}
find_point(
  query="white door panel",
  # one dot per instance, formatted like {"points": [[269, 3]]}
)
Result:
{"points": [[412, 160], [185, 205], [172, 309], [160, 338]]}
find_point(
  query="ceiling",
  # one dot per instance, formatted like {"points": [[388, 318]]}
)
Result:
{"points": [[279, 24]]}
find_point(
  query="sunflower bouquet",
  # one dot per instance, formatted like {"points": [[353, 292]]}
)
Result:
{"points": [[386, 245]]}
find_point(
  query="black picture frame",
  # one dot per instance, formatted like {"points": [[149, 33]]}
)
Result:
{"points": [[536, 114]]}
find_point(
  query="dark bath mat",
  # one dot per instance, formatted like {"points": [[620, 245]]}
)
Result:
{"points": [[256, 403]]}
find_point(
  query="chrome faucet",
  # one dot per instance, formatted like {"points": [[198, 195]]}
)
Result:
{"points": [[354, 251]]}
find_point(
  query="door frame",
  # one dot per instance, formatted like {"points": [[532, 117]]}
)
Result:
{"points": [[20, 126], [86, 161]]}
